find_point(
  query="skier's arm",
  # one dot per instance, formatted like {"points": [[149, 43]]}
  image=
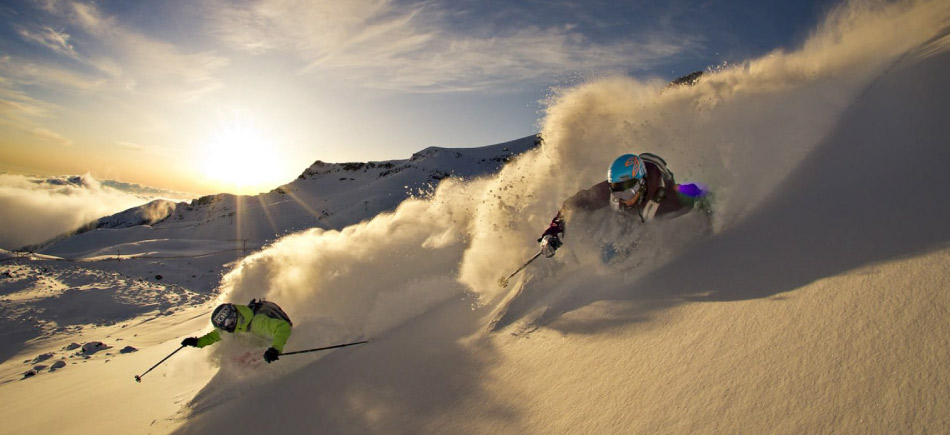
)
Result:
{"points": [[594, 198], [277, 328], [550, 239], [209, 339], [556, 227]]}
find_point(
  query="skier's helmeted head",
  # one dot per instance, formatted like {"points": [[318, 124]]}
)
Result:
{"points": [[225, 317], [627, 178]]}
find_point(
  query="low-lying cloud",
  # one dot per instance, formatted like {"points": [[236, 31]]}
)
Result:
{"points": [[34, 210]]}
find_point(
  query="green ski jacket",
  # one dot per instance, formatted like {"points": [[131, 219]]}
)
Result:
{"points": [[278, 330]]}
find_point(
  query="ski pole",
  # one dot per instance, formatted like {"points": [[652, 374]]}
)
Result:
{"points": [[138, 378], [324, 348], [504, 281]]}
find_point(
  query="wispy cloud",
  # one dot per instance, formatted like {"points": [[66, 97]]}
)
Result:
{"points": [[16, 104], [24, 72], [89, 16], [52, 136], [54, 40], [130, 146], [380, 44], [160, 69], [114, 57]]}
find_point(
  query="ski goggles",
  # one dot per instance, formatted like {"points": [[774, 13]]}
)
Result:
{"points": [[230, 324], [626, 190], [226, 319]]}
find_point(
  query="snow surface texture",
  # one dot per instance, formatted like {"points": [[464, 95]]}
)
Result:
{"points": [[818, 305]]}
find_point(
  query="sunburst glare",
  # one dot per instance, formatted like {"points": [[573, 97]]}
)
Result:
{"points": [[240, 158]]}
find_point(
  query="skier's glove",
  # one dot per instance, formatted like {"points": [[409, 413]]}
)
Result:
{"points": [[271, 355], [549, 244], [550, 239], [190, 341]]}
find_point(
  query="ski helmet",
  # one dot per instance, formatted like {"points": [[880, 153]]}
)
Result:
{"points": [[626, 176], [225, 317]]}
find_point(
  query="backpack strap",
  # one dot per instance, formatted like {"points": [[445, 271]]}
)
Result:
{"points": [[668, 177], [650, 206]]}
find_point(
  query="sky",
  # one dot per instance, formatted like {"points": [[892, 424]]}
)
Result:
{"points": [[217, 96]]}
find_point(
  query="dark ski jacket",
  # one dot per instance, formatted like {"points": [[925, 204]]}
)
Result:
{"points": [[671, 201]]}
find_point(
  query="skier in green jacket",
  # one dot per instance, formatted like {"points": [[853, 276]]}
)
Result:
{"points": [[234, 318]]}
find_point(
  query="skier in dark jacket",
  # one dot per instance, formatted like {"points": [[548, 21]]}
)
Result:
{"points": [[271, 324], [638, 185]]}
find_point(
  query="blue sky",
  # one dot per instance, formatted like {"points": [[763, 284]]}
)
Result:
{"points": [[242, 96]]}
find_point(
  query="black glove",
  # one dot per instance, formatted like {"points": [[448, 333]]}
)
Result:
{"points": [[271, 355], [190, 341], [549, 244]]}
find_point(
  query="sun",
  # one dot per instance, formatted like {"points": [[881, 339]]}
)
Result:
{"points": [[241, 159]]}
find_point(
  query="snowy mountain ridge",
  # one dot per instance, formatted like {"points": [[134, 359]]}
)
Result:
{"points": [[146, 214], [325, 195]]}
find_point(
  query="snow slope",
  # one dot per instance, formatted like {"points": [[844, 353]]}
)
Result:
{"points": [[818, 306]]}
